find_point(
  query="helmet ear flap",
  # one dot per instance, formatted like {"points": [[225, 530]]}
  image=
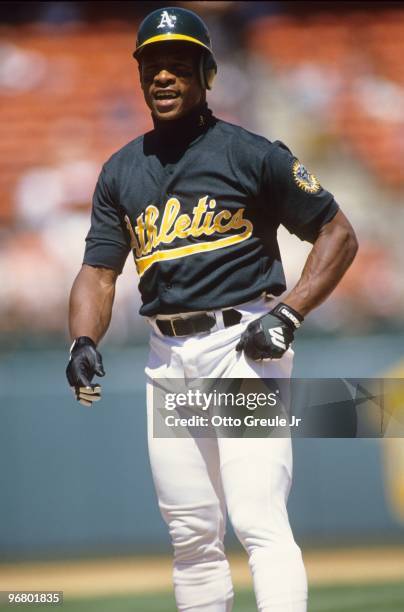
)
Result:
{"points": [[207, 70]]}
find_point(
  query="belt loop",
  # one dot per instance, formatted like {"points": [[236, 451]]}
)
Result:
{"points": [[219, 319], [172, 326], [152, 322]]}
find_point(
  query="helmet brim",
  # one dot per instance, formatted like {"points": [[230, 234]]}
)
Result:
{"points": [[168, 37]]}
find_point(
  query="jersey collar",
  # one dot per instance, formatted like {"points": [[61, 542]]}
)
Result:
{"points": [[186, 129]]}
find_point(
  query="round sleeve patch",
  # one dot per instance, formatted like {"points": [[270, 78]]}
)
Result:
{"points": [[303, 179]]}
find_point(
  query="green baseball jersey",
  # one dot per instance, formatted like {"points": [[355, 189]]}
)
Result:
{"points": [[199, 201]]}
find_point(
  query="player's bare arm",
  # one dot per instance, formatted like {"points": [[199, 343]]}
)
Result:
{"points": [[91, 301], [332, 254], [90, 310]]}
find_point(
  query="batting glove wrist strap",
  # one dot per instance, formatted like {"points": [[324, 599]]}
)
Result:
{"points": [[82, 341], [288, 315]]}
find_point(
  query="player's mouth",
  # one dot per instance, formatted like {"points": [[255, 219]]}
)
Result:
{"points": [[165, 99]]}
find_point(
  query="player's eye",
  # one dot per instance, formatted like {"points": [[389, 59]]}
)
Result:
{"points": [[183, 69], [148, 74], [180, 69]]}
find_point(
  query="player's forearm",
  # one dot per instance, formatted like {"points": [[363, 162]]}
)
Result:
{"points": [[330, 257], [91, 302]]}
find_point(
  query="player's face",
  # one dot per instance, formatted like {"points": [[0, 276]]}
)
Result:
{"points": [[170, 79]]}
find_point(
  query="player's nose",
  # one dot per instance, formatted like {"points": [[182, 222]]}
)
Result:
{"points": [[164, 77]]}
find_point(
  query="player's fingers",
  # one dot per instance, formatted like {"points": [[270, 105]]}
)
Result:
{"points": [[89, 398], [240, 345], [99, 368], [254, 353], [87, 395], [92, 393], [84, 402], [90, 389], [87, 401]]}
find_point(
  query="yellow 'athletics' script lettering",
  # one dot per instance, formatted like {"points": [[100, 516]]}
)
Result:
{"points": [[146, 237]]}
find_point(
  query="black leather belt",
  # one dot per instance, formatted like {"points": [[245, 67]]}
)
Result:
{"points": [[196, 324]]}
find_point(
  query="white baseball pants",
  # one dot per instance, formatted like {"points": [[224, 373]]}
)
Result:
{"points": [[196, 479]]}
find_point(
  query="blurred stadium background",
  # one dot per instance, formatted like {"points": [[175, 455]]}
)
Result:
{"points": [[327, 78]]}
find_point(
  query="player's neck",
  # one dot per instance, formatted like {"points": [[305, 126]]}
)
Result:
{"points": [[187, 127]]}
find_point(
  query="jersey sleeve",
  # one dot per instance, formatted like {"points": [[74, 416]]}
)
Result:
{"points": [[107, 242], [295, 195]]}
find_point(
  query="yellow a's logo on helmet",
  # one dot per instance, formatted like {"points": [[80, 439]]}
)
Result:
{"points": [[167, 21]]}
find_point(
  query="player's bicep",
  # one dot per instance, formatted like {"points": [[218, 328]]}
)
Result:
{"points": [[107, 242], [301, 204]]}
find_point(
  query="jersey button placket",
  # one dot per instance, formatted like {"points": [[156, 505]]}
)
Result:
{"points": [[166, 196]]}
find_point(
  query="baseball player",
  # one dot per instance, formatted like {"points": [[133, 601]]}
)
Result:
{"points": [[199, 202]]}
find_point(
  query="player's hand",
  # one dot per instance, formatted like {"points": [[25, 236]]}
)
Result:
{"points": [[85, 361], [270, 336]]}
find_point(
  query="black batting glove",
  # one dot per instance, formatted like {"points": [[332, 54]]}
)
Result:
{"points": [[85, 361], [270, 336]]}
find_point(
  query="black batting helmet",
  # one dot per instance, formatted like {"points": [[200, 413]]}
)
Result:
{"points": [[175, 23]]}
